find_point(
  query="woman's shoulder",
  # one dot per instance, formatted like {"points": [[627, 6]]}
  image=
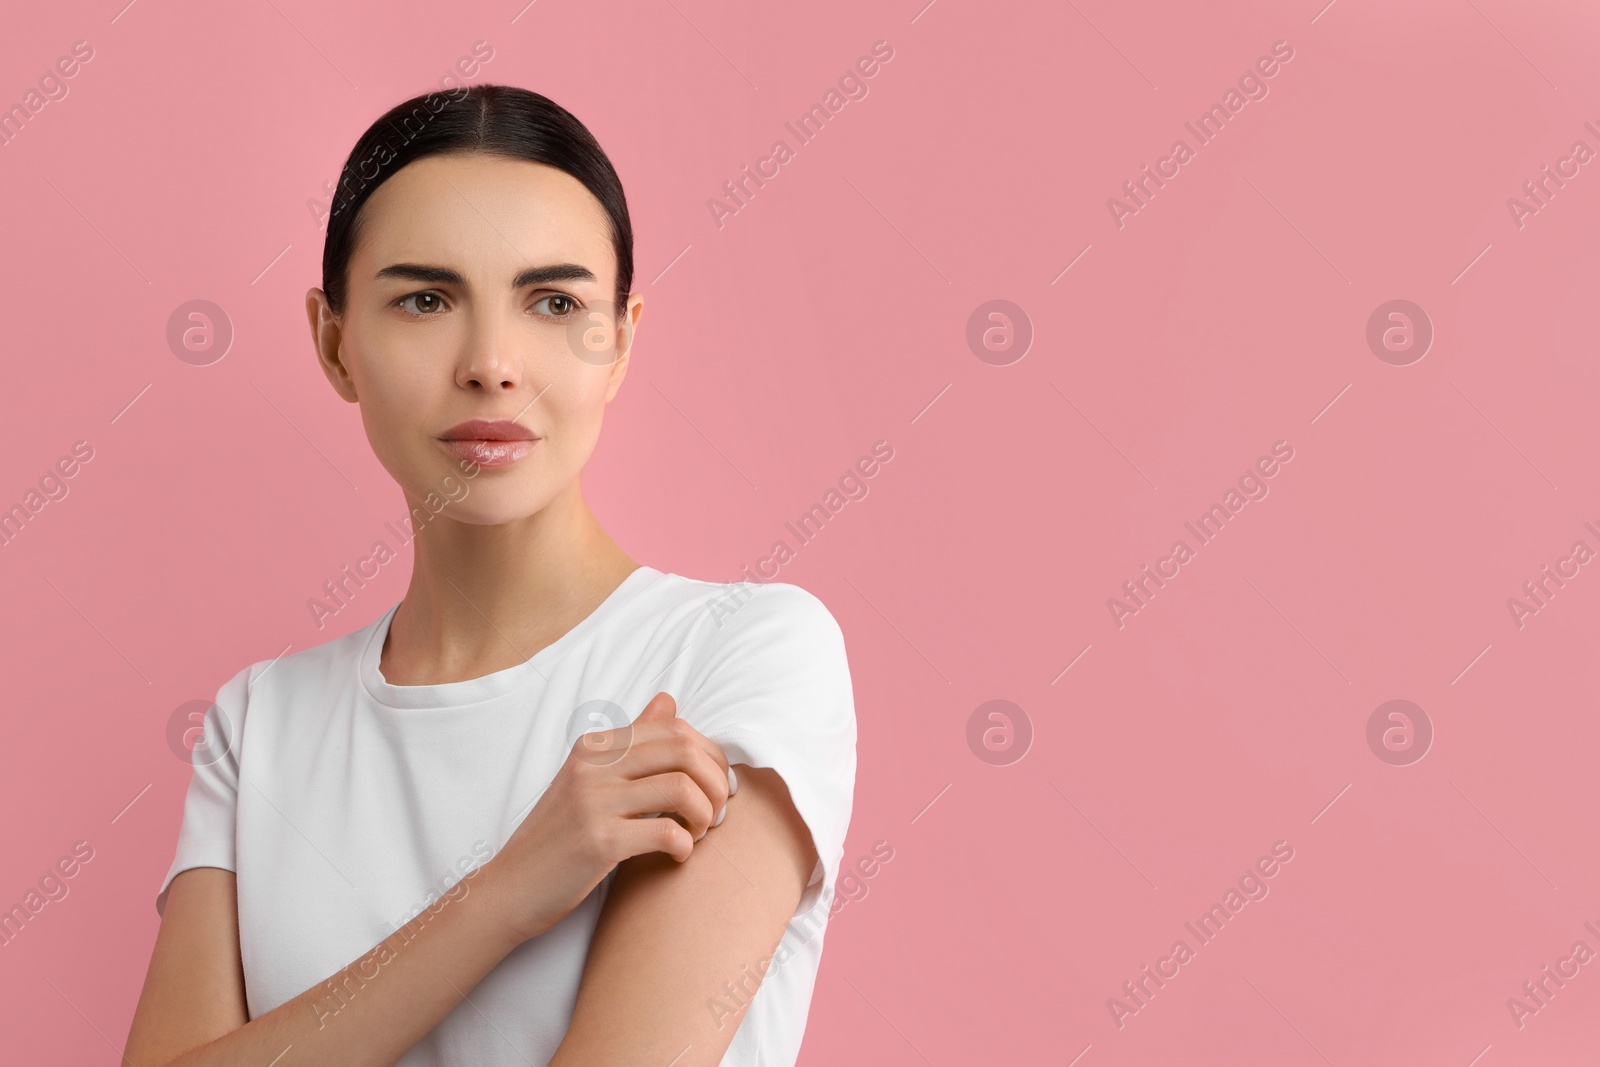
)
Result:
{"points": [[737, 606], [315, 663]]}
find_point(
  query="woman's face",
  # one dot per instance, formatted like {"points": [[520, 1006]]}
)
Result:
{"points": [[437, 331]]}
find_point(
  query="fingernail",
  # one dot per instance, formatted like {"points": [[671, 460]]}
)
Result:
{"points": [[733, 782], [720, 814]]}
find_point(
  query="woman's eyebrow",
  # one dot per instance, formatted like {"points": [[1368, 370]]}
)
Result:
{"points": [[554, 272]]}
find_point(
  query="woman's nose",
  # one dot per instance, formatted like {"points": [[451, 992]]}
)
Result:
{"points": [[489, 361]]}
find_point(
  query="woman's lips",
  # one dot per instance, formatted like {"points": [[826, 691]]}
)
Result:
{"points": [[489, 453]]}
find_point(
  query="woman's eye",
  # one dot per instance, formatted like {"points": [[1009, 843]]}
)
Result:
{"points": [[434, 297], [561, 305]]}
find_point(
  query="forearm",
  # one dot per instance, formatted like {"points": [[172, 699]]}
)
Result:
{"points": [[372, 1011]]}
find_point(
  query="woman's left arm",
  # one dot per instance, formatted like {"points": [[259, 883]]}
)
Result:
{"points": [[672, 934]]}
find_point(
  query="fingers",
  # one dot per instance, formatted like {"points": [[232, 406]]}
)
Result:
{"points": [[639, 836], [661, 707], [656, 723], [669, 769], [674, 794], [683, 753], [659, 720]]}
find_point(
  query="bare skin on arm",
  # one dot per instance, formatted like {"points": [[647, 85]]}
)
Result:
{"points": [[195, 982], [192, 1009], [672, 933]]}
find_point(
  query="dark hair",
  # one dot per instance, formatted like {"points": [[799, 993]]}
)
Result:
{"points": [[501, 120]]}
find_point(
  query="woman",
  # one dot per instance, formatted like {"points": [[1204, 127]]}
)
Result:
{"points": [[359, 879]]}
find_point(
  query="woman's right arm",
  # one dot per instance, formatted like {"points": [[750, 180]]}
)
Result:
{"points": [[192, 1011]]}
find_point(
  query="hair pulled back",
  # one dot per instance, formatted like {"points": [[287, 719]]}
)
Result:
{"points": [[494, 119]]}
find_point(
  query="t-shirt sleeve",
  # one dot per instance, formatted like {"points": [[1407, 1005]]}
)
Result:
{"points": [[207, 837], [772, 687]]}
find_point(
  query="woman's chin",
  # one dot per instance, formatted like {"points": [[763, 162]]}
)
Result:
{"points": [[482, 508]]}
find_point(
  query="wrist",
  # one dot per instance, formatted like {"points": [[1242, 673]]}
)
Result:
{"points": [[504, 902]]}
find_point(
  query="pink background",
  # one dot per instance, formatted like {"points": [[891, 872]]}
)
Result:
{"points": [[830, 313]]}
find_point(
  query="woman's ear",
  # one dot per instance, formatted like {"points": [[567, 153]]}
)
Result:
{"points": [[327, 336], [627, 330]]}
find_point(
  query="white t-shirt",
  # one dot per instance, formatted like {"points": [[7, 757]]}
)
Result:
{"points": [[346, 805]]}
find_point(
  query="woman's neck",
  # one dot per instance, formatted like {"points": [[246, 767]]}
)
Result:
{"points": [[486, 597]]}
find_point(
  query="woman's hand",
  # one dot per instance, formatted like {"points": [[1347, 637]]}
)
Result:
{"points": [[597, 812]]}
